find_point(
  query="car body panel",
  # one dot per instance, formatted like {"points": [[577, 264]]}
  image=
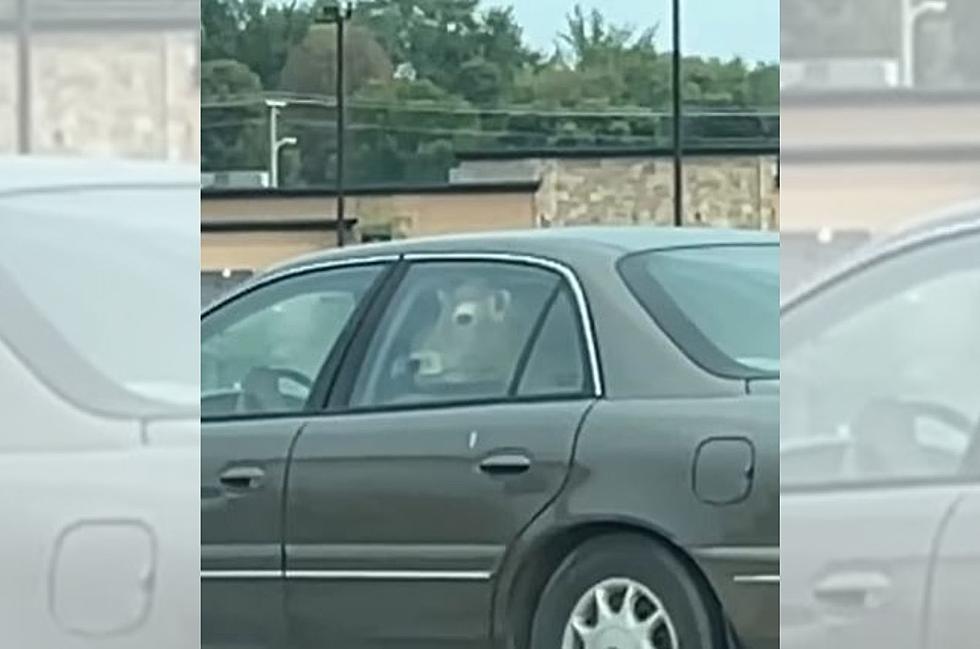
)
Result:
{"points": [[392, 510], [100, 547]]}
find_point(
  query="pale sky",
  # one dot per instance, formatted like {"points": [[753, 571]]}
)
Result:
{"points": [[724, 28]]}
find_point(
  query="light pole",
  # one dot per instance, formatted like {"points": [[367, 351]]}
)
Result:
{"points": [[912, 11], [338, 14], [678, 116], [276, 143], [24, 82]]}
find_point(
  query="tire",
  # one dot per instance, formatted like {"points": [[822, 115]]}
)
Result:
{"points": [[692, 621]]}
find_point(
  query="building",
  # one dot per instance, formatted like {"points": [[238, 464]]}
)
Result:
{"points": [[100, 77], [250, 229], [723, 187]]}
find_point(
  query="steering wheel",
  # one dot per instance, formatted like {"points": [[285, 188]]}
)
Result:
{"points": [[886, 443], [261, 392]]}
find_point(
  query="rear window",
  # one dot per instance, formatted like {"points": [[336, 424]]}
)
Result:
{"points": [[720, 304]]}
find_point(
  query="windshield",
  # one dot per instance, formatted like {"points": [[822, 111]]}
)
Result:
{"points": [[115, 272], [720, 303]]}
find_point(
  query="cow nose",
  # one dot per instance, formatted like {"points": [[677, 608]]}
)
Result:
{"points": [[464, 315]]}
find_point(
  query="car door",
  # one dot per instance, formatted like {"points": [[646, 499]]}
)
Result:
{"points": [[264, 353], [451, 428], [952, 611], [878, 413]]}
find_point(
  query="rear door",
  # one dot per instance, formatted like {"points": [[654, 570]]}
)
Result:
{"points": [[878, 413], [263, 355], [452, 427]]}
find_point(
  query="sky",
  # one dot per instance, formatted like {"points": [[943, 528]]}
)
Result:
{"points": [[723, 28]]}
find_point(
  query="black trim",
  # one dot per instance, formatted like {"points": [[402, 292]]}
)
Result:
{"points": [[341, 389], [874, 98], [675, 324], [765, 149], [279, 225], [883, 154], [337, 367], [395, 189], [532, 340]]}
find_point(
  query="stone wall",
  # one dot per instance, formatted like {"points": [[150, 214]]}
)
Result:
{"points": [[121, 94], [738, 191]]}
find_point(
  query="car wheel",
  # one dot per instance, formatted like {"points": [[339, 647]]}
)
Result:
{"points": [[624, 592]]}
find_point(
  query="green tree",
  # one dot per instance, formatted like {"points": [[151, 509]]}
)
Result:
{"points": [[231, 129]]}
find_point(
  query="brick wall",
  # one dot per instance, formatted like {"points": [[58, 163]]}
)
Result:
{"points": [[731, 191]]}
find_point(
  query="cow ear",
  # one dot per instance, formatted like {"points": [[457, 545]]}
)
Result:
{"points": [[500, 304]]}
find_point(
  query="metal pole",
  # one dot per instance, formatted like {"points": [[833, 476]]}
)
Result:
{"points": [[274, 146], [24, 86], [342, 15], [678, 116]]}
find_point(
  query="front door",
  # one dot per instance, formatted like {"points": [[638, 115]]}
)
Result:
{"points": [[879, 413], [451, 428], [262, 358]]}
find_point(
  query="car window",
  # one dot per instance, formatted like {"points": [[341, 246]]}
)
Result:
{"points": [[455, 332], [261, 354], [882, 373], [556, 364], [719, 303]]}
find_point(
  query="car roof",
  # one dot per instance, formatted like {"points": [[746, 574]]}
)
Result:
{"points": [[569, 245], [40, 174], [961, 218]]}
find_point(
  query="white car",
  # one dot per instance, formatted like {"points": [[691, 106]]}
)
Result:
{"points": [[880, 447], [99, 414]]}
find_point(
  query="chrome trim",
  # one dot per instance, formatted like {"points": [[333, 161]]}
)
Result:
{"points": [[573, 281], [276, 275], [241, 574], [756, 579], [389, 575]]}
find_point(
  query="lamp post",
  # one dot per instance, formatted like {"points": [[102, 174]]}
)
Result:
{"points": [[24, 85], [276, 143], [912, 11], [338, 14], [678, 116]]}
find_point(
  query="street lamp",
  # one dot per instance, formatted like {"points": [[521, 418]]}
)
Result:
{"points": [[338, 14], [276, 143], [678, 116], [912, 11]]}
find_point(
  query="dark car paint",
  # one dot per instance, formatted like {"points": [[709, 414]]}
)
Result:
{"points": [[653, 394]]}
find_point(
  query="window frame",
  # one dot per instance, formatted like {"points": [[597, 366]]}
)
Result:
{"points": [[339, 397], [891, 253], [332, 366]]}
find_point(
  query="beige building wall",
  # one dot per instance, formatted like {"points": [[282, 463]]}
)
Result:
{"points": [[898, 184], [133, 95], [411, 215]]}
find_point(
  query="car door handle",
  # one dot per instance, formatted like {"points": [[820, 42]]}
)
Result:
{"points": [[506, 464], [852, 590], [242, 477]]}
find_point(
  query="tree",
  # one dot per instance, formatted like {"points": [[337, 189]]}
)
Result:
{"points": [[231, 132], [311, 66], [253, 32]]}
